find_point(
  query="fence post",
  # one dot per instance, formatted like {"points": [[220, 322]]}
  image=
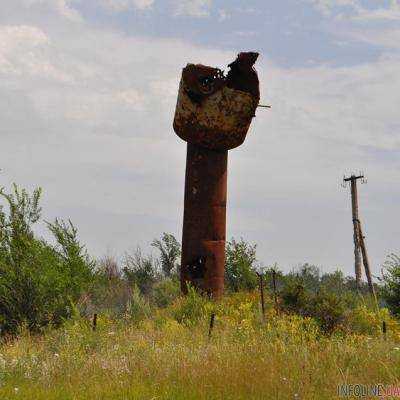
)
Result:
{"points": [[94, 323], [262, 301], [274, 287], [384, 329], [212, 319]]}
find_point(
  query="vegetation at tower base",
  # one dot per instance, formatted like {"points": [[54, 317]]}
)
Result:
{"points": [[241, 263]]}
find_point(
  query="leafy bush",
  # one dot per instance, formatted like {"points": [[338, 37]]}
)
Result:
{"points": [[39, 282], [137, 307], [391, 280], [140, 270], [108, 296], [309, 276], [326, 307], [165, 292], [365, 321], [240, 265], [295, 298], [189, 309]]}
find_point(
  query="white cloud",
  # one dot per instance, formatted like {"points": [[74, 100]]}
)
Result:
{"points": [[351, 20], [386, 38], [24, 53], [223, 15], [379, 14], [62, 7], [356, 11], [245, 33], [326, 6], [12, 37], [192, 8], [123, 5]]}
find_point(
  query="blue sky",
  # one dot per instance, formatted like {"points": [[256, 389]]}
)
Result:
{"points": [[87, 96], [291, 32]]}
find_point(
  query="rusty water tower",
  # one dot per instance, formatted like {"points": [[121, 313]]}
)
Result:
{"points": [[213, 115]]}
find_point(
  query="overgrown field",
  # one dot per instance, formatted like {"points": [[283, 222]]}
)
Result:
{"points": [[167, 354]]}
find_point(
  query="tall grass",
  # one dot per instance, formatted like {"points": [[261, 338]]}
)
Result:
{"points": [[287, 357]]}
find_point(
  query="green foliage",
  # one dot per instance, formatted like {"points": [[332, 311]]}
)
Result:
{"points": [[365, 320], [165, 292], [391, 280], [325, 298], [189, 309], [294, 298], [240, 264], [170, 251], [38, 281], [334, 281], [307, 275], [327, 308], [109, 292], [73, 256], [137, 307], [143, 271], [279, 278]]}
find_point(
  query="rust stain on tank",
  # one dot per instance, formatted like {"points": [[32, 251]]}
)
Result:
{"points": [[213, 114]]}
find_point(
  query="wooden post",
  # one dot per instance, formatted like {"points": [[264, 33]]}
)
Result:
{"points": [[94, 323], [366, 262], [357, 252], [274, 287], [261, 286], [384, 329], [210, 329]]}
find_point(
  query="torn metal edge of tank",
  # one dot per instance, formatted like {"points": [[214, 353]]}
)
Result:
{"points": [[214, 110]]}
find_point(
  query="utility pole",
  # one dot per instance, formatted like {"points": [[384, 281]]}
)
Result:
{"points": [[354, 207], [360, 248]]}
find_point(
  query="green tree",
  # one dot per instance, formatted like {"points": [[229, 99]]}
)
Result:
{"points": [[307, 275], [391, 283], [170, 251], [240, 265], [39, 282], [140, 270], [334, 281]]}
